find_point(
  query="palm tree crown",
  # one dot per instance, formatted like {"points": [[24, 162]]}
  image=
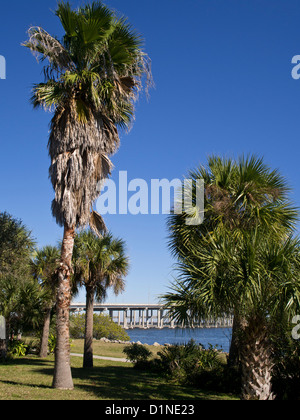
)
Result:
{"points": [[44, 266], [239, 195], [100, 263]]}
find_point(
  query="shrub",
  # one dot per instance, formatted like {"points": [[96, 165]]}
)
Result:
{"points": [[137, 354], [178, 359], [17, 348], [286, 372], [33, 346], [195, 365], [185, 362], [220, 378], [103, 327]]}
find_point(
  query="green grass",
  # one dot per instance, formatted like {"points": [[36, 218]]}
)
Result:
{"points": [[106, 349], [30, 378]]}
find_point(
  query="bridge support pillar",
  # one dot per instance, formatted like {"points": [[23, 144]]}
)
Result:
{"points": [[125, 319], [143, 318]]}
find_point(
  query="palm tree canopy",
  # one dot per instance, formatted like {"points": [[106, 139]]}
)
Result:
{"points": [[239, 195], [243, 257], [44, 266], [100, 263], [256, 274], [92, 77]]}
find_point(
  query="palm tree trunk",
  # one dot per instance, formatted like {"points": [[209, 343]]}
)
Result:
{"points": [[62, 370], [233, 358], [256, 362], [3, 342], [89, 328], [45, 336]]}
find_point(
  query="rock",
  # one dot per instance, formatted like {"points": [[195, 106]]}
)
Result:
{"points": [[156, 345]]}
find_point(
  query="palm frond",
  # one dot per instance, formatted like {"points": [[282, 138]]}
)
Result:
{"points": [[49, 48], [101, 262], [97, 224]]}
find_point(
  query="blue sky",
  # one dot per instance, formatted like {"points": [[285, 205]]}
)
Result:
{"points": [[222, 70]]}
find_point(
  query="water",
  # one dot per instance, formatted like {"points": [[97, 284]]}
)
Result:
{"points": [[215, 336]]}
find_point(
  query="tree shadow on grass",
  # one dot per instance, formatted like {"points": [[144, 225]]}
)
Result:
{"points": [[126, 383], [108, 382], [14, 383], [27, 361]]}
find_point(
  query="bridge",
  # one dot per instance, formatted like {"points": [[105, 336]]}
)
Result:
{"points": [[146, 316]]}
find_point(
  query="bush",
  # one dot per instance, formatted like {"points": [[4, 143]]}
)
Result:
{"points": [[137, 354], [103, 327], [33, 346], [17, 348], [219, 378], [186, 362], [286, 372]]}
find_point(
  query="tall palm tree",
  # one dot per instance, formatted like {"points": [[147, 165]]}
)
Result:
{"points": [[256, 277], [44, 269], [239, 196], [92, 78], [100, 263]]}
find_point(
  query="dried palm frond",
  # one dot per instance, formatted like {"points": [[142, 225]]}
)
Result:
{"points": [[97, 223], [48, 47]]}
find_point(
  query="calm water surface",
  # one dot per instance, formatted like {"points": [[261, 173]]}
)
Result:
{"points": [[215, 336]]}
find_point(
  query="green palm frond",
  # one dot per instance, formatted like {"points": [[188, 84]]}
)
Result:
{"points": [[100, 262], [44, 267], [239, 194], [48, 95], [256, 273], [243, 257]]}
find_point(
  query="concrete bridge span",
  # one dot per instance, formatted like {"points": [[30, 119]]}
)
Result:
{"points": [[146, 316]]}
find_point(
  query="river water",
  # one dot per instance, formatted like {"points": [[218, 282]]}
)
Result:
{"points": [[220, 337]]}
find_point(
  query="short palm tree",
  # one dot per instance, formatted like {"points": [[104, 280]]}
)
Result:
{"points": [[239, 196], [92, 78], [256, 277], [44, 268], [100, 263]]}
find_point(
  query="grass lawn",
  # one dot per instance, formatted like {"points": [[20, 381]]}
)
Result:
{"points": [[107, 349], [114, 350], [30, 378]]}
